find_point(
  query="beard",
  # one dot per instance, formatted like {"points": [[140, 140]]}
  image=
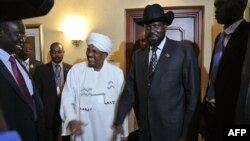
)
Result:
{"points": [[154, 40]]}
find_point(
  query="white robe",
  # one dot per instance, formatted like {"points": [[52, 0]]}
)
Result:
{"points": [[95, 108]]}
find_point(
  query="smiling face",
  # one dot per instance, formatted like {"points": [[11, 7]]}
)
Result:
{"points": [[155, 33], [95, 57], [13, 36]]}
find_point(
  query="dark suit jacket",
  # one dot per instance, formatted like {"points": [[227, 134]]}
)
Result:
{"points": [[46, 85], [242, 112], [33, 64], [227, 82], [167, 107], [18, 114]]}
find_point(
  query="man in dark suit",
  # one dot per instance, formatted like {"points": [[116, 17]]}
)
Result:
{"points": [[167, 87], [21, 104], [49, 79], [222, 95], [27, 59]]}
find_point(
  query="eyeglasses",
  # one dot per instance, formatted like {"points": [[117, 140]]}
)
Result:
{"points": [[21, 36]]}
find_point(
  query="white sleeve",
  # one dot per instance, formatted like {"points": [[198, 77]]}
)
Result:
{"points": [[68, 102]]}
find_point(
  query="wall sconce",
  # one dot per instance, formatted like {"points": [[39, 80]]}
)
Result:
{"points": [[76, 43], [75, 30]]}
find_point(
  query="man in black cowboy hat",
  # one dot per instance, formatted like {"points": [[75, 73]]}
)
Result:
{"points": [[163, 80]]}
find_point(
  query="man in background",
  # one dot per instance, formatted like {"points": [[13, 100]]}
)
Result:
{"points": [[20, 102], [226, 101], [27, 58], [49, 79]]}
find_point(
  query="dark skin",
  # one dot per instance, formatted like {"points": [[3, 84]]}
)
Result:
{"points": [[56, 52], [228, 12], [26, 51], [155, 33], [12, 36], [95, 57]]}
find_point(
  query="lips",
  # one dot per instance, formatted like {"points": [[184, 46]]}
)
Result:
{"points": [[91, 60]]}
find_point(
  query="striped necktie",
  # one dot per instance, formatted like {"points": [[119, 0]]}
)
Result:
{"points": [[152, 64]]}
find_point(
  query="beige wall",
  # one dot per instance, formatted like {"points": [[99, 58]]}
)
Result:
{"points": [[108, 17]]}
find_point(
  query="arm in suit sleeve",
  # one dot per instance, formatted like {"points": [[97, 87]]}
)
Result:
{"points": [[191, 83], [127, 97]]}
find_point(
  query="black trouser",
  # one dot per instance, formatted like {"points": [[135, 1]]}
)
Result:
{"points": [[213, 128]]}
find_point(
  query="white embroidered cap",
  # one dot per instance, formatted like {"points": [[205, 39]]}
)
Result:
{"points": [[100, 41]]}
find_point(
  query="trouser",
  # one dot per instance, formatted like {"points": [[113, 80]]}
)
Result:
{"points": [[213, 128]]}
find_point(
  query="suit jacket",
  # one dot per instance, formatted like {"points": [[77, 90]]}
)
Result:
{"points": [[166, 108], [242, 112], [227, 82], [33, 64], [46, 85], [18, 114]]}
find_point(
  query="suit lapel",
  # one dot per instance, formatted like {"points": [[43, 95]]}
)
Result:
{"points": [[31, 66], [143, 60], [233, 45], [164, 59], [5, 72], [51, 74], [65, 71]]}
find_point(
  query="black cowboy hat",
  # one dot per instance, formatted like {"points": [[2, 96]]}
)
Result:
{"points": [[154, 13]]}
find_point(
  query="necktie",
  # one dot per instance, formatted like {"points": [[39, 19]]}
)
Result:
{"points": [[58, 75], [152, 64], [216, 61], [22, 85], [58, 78]]}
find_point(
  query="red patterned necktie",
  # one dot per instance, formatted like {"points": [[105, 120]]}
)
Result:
{"points": [[22, 85]]}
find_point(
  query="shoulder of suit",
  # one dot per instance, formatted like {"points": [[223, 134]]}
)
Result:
{"points": [[67, 65]]}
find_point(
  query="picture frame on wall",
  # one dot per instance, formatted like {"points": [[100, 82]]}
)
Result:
{"points": [[34, 33]]}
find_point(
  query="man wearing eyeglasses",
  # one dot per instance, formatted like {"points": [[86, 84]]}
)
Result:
{"points": [[21, 104]]}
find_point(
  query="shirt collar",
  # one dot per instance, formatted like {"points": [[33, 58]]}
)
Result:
{"points": [[27, 61], [54, 64], [4, 56], [229, 30]]}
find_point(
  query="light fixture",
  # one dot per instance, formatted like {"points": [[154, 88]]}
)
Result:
{"points": [[76, 43], [75, 30]]}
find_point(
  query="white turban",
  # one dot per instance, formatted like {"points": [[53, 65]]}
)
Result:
{"points": [[100, 41]]}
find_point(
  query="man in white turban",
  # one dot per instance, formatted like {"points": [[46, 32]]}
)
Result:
{"points": [[90, 94]]}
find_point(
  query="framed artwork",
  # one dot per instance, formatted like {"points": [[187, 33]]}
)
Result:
{"points": [[34, 33]]}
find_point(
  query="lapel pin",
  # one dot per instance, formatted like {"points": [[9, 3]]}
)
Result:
{"points": [[167, 55]]}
